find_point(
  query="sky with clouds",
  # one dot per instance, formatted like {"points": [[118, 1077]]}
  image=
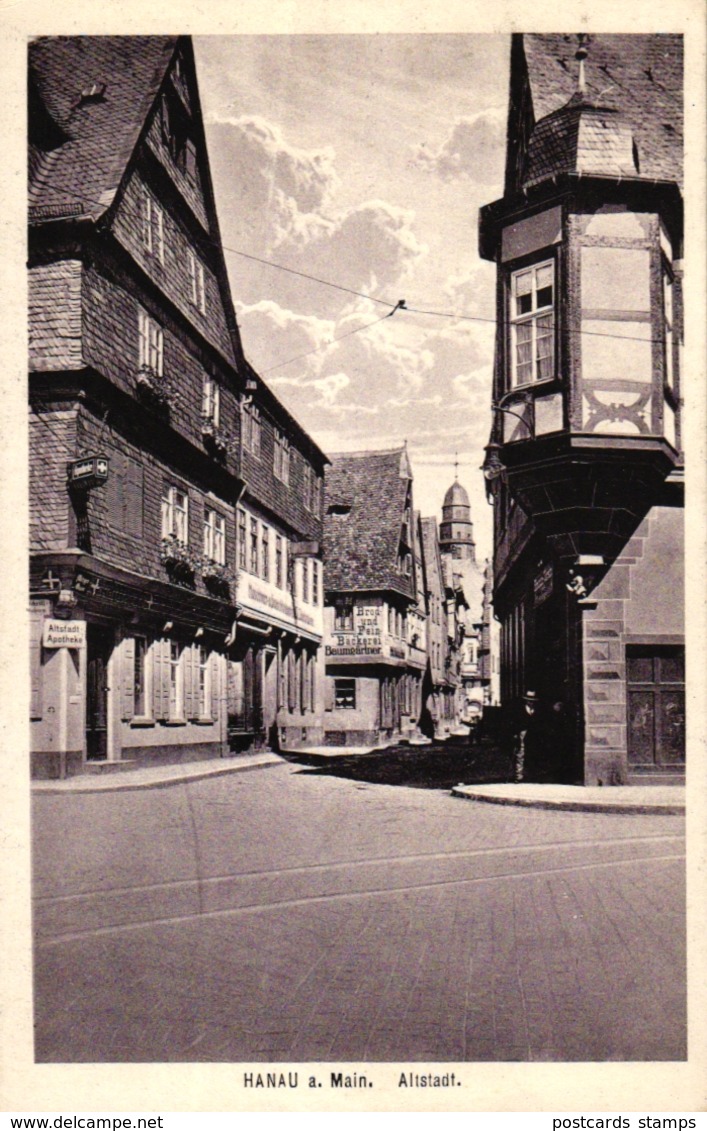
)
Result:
{"points": [[363, 160]]}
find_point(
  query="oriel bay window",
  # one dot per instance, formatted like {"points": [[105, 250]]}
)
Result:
{"points": [[532, 323]]}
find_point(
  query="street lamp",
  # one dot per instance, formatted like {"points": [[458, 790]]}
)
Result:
{"points": [[493, 466]]}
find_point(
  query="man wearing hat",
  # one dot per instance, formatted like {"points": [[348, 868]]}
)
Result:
{"points": [[527, 736]]}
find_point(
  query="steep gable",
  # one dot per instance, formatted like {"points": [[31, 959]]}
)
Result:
{"points": [[366, 496]]}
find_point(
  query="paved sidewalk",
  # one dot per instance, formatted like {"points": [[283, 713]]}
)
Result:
{"points": [[667, 799], [156, 777]]}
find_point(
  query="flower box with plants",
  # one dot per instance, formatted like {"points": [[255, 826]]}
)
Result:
{"points": [[216, 576], [177, 558], [214, 436], [153, 387]]}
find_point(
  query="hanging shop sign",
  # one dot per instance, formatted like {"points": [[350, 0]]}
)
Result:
{"points": [[543, 584], [64, 633], [89, 472]]}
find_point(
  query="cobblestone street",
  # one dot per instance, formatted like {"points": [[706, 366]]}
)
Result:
{"points": [[281, 915]]}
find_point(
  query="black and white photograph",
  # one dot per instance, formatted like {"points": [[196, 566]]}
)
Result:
{"points": [[359, 385]]}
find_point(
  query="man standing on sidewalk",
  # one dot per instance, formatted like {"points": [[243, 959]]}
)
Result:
{"points": [[527, 739]]}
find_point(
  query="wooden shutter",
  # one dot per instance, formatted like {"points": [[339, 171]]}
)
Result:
{"points": [[160, 679], [115, 491], [312, 683], [133, 499], [291, 681], [215, 671], [328, 693], [190, 680], [127, 698], [36, 630]]}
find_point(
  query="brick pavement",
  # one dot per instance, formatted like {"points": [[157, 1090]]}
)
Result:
{"points": [[282, 916]]}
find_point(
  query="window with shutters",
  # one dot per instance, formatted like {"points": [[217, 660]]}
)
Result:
{"points": [[175, 513], [532, 321], [214, 536], [150, 345], [125, 495], [345, 694], [176, 682], [197, 289]]}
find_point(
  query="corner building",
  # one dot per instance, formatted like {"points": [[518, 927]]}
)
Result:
{"points": [[369, 561], [584, 463], [146, 642]]}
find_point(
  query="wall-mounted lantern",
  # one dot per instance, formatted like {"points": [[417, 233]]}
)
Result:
{"points": [[88, 472]]}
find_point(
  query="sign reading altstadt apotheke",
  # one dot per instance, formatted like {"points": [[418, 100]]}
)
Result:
{"points": [[64, 634]]}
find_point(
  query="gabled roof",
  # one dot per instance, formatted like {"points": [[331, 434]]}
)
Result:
{"points": [[640, 76], [365, 496], [80, 176]]}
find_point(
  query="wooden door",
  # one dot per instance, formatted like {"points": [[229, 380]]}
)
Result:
{"points": [[656, 706], [99, 645]]}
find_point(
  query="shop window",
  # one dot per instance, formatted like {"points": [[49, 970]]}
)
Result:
{"points": [[345, 694], [150, 345], [532, 317], [214, 536], [175, 514], [343, 614]]}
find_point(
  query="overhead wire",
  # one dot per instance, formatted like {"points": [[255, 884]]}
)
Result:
{"points": [[393, 306]]}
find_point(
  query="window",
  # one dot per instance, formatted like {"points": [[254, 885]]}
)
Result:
{"points": [[532, 324], [241, 539], [254, 546], [305, 580], [310, 488], [214, 536], [141, 690], [176, 681], [151, 226], [211, 401], [345, 694], [151, 344], [343, 614], [279, 575], [197, 292], [281, 463], [251, 428], [265, 552], [204, 684], [175, 513]]}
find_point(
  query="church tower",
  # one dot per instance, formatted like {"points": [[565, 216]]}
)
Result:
{"points": [[456, 532]]}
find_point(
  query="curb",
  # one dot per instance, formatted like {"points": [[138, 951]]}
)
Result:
{"points": [[122, 786], [666, 808]]}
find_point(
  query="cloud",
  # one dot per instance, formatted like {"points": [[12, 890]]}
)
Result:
{"points": [[473, 149]]}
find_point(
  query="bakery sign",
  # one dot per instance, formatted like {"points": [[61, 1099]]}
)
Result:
{"points": [[64, 633], [366, 638]]}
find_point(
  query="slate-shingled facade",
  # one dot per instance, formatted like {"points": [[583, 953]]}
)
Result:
{"points": [[369, 561], [584, 463], [175, 650]]}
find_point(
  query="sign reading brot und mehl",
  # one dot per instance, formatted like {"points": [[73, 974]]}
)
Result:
{"points": [[64, 634]]}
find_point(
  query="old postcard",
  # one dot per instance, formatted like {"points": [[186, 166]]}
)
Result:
{"points": [[347, 729]]}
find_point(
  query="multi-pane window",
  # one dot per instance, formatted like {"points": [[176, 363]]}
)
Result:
{"points": [[151, 226], [175, 513], [279, 574], [242, 551], [532, 324], [211, 401], [151, 344], [345, 694], [197, 289], [305, 580], [343, 614], [214, 536], [310, 488], [265, 552], [251, 428], [281, 463], [254, 546], [141, 690]]}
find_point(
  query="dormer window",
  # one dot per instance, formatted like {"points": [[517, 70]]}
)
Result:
{"points": [[532, 320]]}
